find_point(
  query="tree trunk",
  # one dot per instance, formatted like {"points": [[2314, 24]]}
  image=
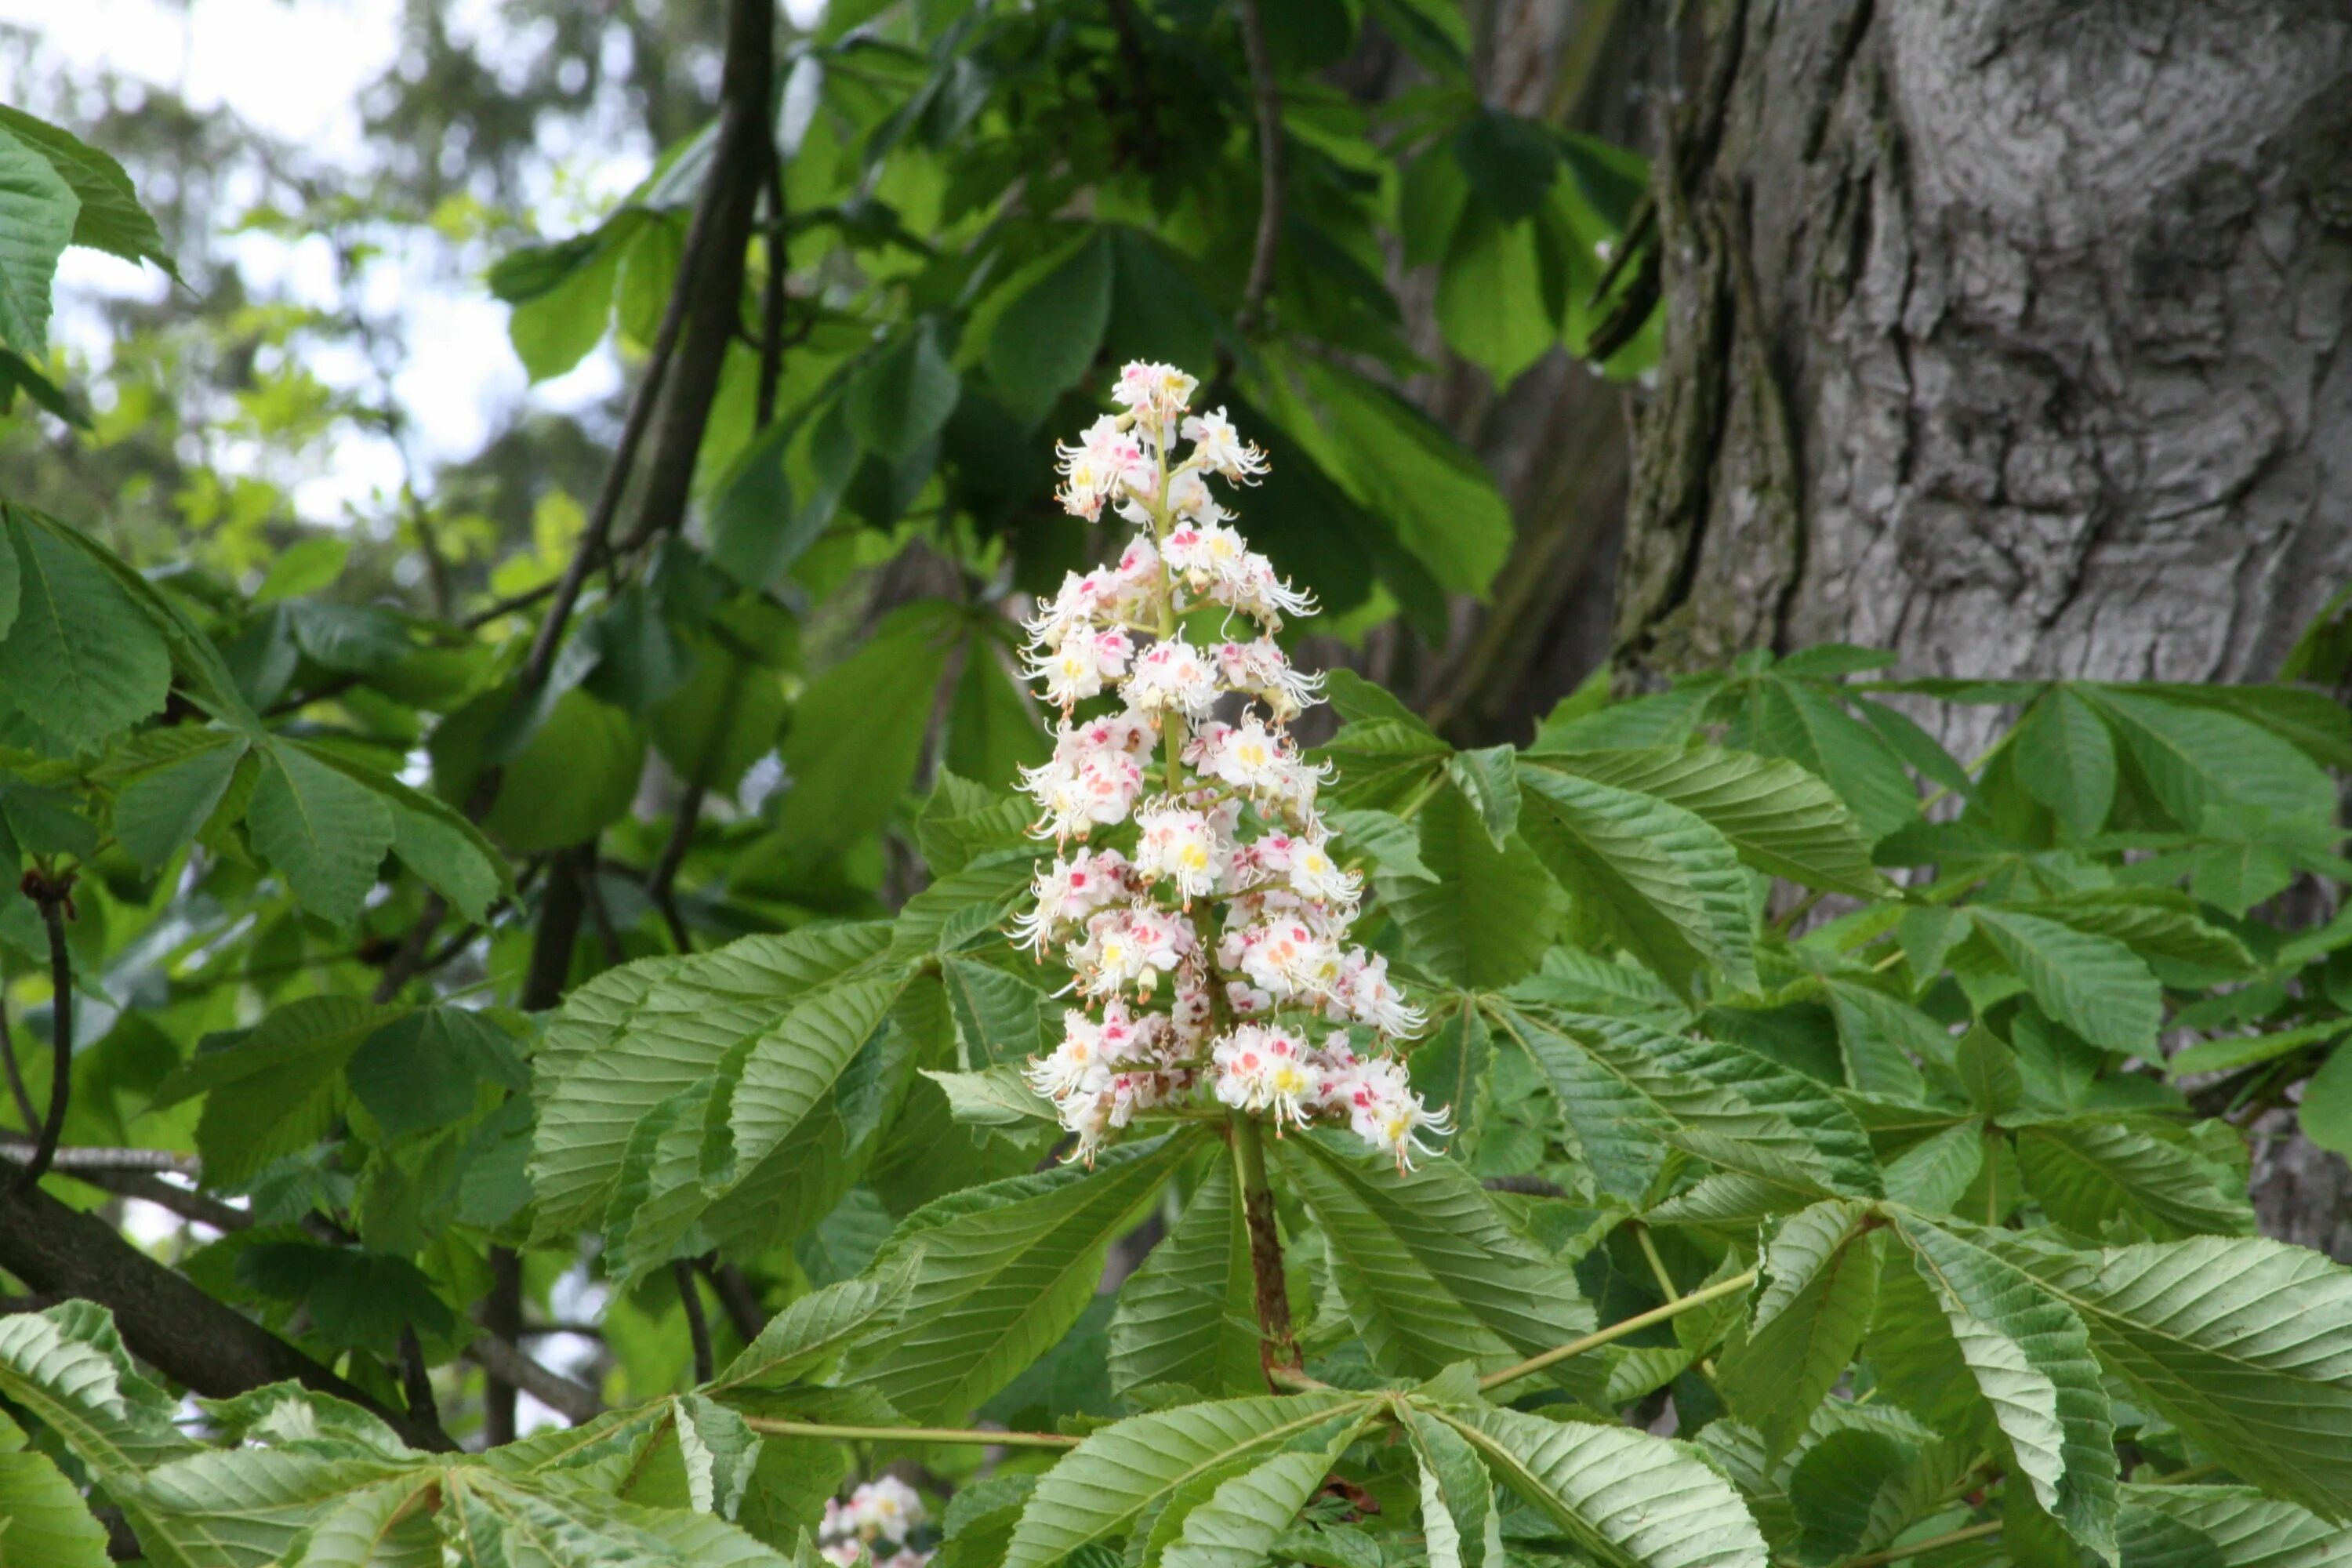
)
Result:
{"points": [[2005, 334]]}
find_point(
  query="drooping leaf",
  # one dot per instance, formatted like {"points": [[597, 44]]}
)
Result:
{"points": [[1776, 815], [1000, 1281], [83, 658], [109, 216], [2030, 1354], [1188, 1315], [159, 808], [1429, 1273], [1652, 877], [2089, 1174], [2066, 759], [1820, 1283], [2093, 985], [1236, 1525], [1627, 1499], [1489, 915], [2243, 1342], [38, 213], [1129, 1469], [327, 833]]}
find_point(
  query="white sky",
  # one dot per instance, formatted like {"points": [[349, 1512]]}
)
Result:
{"points": [[295, 69]]}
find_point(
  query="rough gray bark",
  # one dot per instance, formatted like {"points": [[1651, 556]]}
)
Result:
{"points": [[2006, 334]]}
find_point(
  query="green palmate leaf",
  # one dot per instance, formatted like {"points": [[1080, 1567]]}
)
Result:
{"points": [[161, 807], [327, 832], [44, 1524], [1878, 1035], [1821, 1282], [858, 731], [2030, 1354], [2094, 984], [1003, 1273], [1627, 1499], [2178, 1527], [1000, 1016], [1236, 1526], [378, 1526], [488, 1522], [902, 398], [794, 1065], [37, 212], [1632, 1092], [1188, 1315], [1489, 781], [248, 1508], [1429, 1273], [1803, 723], [2195, 758], [1387, 840], [1649, 877], [1048, 333], [631, 1038], [1488, 917], [66, 1365], [1776, 815], [995, 1097], [2160, 924], [1127, 1471], [423, 1070], [277, 1089], [1934, 1173], [1858, 1487], [110, 218], [1457, 1496], [2090, 1175], [808, 1340], [2066, 758], [83, 658], [288, 1415], [2244, 1344]]}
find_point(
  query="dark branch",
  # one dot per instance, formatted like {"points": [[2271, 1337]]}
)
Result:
{"points": [[711, 272], [1271, 182], [575, 1401], [54, 895], [416, 1378], [698, 1325], [661, 887], [1131, 58], [164, 1319], [737, 1296]]}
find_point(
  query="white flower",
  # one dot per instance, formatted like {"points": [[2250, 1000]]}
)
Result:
{"points": [[1219, 448], [1068, 891], [1160, 389], [1364, 994], [1265, 1068], [1173, 677], [1181, 845], [1233, 819], [1079, 663]]}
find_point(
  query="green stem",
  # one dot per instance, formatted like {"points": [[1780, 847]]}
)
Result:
{"points": [[1616, 1332], [1951, 1538], [781, 1428]]}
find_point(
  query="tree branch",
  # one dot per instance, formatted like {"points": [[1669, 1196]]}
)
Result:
{"points": [[81, 1161], [575, 1402], [163, 1317], [54, 895], [737, 1296], [711, 274], [1272, 185], [661, 887]]}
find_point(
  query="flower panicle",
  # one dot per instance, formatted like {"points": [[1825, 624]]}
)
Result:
{"points": [[1209, 946]]}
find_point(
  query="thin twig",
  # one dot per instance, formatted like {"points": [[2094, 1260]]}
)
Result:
{"points": [[698, 1325], [1616, 1332], [1932, 1543], [15, 1075], [591, 894], [1271, 179], [661, 887], [976, 1435], [1131, 58], [54, 896], [771, 293], [736, 1294], [416, 1378]]}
